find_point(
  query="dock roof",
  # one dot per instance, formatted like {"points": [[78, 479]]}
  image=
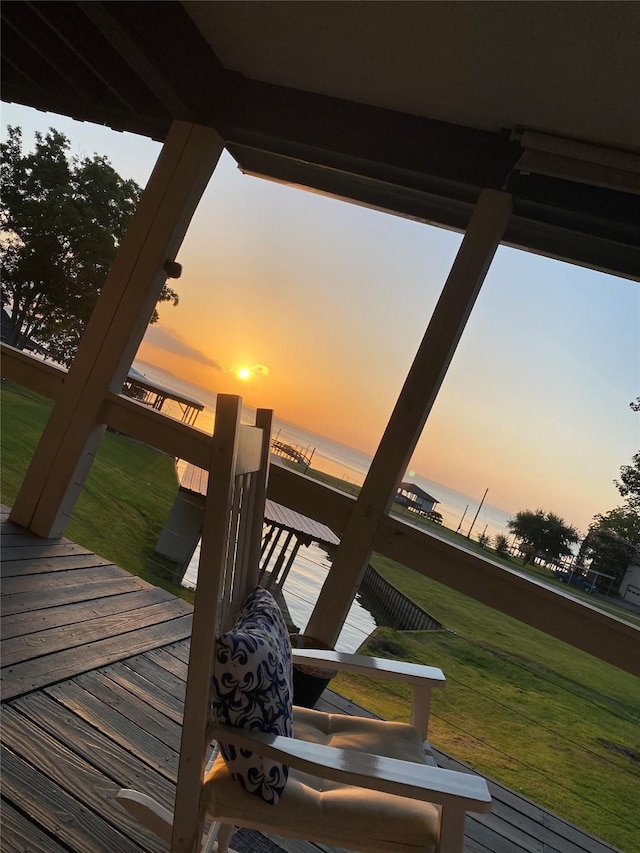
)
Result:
{"points": [[195, 480], [288, 519]]}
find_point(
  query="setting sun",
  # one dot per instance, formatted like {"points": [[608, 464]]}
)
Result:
{"points": [[244, 373]]}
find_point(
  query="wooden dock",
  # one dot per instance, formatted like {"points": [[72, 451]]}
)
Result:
{"points": [[94, 665]]}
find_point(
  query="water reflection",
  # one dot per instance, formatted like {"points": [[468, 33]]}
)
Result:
{"points": [[301, 590]]}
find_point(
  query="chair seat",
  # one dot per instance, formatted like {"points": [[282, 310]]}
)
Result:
{"points": [[320, 810]]}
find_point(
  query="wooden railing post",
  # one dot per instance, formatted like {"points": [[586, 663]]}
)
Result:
{"points": [[405, 426], [73, 432]]}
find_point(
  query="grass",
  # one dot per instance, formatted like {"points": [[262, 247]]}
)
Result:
{"points": [[126, 499], [534, 713], [533, 570]]}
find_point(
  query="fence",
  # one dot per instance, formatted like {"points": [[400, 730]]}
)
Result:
{"points": [[389, 606]]}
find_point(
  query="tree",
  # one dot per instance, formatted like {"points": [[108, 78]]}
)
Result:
{"points": [[542, 533], [623, 520], [501, 544], [483, 539], [629, 483], [612, 542], [610, 553], [61, 222]]}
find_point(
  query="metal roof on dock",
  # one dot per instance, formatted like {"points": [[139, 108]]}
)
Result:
{"points": [[301, 524], [195, 480]]}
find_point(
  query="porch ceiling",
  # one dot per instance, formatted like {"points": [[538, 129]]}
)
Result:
{"points": [[405, 106]]}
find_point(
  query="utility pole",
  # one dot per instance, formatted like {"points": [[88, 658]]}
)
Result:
{"points": [[462, 519], [477, 514]]}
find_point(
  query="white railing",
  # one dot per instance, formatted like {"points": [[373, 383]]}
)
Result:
{"points": [[554, 612]]}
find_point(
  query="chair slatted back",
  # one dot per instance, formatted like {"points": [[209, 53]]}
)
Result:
{"points": [[228, 570]]}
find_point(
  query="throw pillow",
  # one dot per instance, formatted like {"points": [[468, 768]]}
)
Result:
{"points": [[252, 688]]}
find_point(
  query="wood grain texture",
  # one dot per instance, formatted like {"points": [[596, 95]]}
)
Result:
{"points": [[57, 811], [79, 779], [13, 568], [35, 600], [40, 549], [30, 675], [116, 726], [36, 621], [22, 835], [43, 583], [94, 746], [53, 640]]}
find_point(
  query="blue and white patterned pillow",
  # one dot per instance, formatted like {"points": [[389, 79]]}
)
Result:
{"points": [[252, 688]]}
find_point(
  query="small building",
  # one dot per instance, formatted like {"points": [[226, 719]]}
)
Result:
{"points": [[415, 499], [630, 585]]}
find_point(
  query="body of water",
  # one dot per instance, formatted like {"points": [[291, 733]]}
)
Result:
{"points": [[341, 461], [301, 590], [310, 568]]}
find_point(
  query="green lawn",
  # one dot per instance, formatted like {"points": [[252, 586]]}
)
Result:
{"points": [[125, 501], [534, 713], [530, 711]]}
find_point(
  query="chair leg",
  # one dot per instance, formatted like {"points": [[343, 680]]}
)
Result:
{"points": [[224, 837], [451, 830]]}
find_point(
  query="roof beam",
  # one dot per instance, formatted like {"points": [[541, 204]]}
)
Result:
{"points": [[427, 170], [154, 56], [136, 57]]}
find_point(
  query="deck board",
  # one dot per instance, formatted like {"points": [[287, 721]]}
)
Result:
{"points": [[27, 602], [44, 643], [93, 684], [90, 743], [32, 674], [22, 624], [19, 568], [43, 583], [77, 776], [57, 811], [49, 548], [20, 834]]}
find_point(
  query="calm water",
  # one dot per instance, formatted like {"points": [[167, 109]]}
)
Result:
{"points": [[301, 591], [342, 461], [311, 565]]}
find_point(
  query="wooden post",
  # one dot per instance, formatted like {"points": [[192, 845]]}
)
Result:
{"points": [[407, 421], [267, 539], [274, 545], [71, 437], [273, 577], [420, 705], [290, 563]]}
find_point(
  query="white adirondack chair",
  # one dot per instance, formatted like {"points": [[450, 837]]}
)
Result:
{"points": [[362, 784]]}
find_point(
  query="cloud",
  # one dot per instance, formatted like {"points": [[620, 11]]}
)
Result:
{"points": [[261, 369], [170, 340]]}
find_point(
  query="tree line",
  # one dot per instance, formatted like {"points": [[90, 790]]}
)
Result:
{"points": [[612, 541], [61, 221]]}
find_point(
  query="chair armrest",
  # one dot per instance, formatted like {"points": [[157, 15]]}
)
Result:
{"points": [[422, 678], [390, 775], [392, 670]]}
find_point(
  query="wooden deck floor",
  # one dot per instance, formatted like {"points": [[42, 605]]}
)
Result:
{"points": [[93, 674]]}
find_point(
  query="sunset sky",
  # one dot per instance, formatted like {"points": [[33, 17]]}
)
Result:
{"points": [[324, 304]]}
